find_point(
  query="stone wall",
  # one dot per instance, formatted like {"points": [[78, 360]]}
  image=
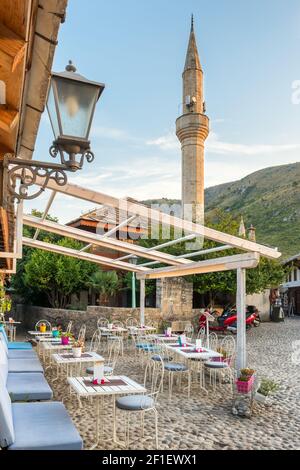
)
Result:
{"points": [[29, 315], [174, 296]]}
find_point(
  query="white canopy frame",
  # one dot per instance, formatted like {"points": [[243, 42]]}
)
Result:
{"points": [[176, 265]]}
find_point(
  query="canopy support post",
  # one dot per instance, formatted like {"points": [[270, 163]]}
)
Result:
{"points": [[142, 302], [241, 360]]}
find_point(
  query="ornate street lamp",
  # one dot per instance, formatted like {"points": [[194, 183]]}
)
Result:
{"points": [[133, 260], [71, 105]]}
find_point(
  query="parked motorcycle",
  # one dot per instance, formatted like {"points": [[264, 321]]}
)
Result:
{"points": [[227, 321]]}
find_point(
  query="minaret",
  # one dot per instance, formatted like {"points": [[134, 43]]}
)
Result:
{"points": [[192, 129]]}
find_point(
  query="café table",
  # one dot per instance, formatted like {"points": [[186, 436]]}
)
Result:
{"points": [[116, 386], [11, 327], [51, 346], [165, 339], [194, 358], [67, 364]]}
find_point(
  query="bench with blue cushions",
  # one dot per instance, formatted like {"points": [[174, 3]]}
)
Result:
{"points": [[36, 426], [19, 365], [16, 344], [23, 385]]}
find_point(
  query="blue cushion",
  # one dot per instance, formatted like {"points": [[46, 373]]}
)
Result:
{"points": [[43, 426], [22, 354], [175, 367], [135, 402], [156, 357], [141, 345], [7, 435], [216, 364], [24, 365], [28, 387], [19, 345]]}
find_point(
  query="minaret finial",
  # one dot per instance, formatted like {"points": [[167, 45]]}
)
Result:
{"points": [[192, 22]]}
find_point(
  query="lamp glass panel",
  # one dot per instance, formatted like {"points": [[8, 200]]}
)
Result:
{"points": [[76, 104]]}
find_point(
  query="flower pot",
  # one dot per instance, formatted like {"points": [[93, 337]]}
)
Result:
{"points": [[263, 399], [245, 387], [65, 340], [77, 352], [42, 328], [55, 333]]}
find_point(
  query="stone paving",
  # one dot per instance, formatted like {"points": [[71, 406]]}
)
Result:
{"points": [[205, 421]]}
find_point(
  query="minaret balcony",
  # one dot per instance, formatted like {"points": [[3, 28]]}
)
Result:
{"points": [[192, 125]]}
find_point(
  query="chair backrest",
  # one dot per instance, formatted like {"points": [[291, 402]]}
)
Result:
{"points": [[228, 345], [201, 334], [213, 341], [102, 322], [69, 327], [114, 350], [131, 321], [154, 376], [81, 334], [189, 331], [7, 435], [95, 341], [44, 322]]}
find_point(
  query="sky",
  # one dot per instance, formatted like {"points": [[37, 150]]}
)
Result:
{"points": [[249, 52]]}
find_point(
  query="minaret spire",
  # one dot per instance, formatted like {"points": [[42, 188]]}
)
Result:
{"points": [[192, 60], [192, 129]]}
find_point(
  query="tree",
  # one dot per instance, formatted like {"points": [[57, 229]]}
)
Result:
{"points": [[105, 284], [57, 276], [268, 274]]}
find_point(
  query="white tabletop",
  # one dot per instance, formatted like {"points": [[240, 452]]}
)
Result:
{"points": [[112, 330], [142, 328], [40, 333], [11, 322], [77, 384], [189, 352], [55, 346], [62, 359], [165, 339]]}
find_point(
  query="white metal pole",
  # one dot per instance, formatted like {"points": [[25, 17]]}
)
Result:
{"points": [[142, 302], [207, 332], [241, 360]]}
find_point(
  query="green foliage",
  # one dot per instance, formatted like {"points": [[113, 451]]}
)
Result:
{"points": [[104, 283], [267, 387], [149, 284], [55, 275]]}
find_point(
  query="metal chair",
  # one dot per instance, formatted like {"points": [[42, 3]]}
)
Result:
{"points": [[142, 404], [221, 368]]}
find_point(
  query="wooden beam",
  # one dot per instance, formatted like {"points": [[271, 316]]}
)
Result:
{"points": [[8, 118], [84, 236], [228, 263], [12, 48], [160, 217], [81, 255]]}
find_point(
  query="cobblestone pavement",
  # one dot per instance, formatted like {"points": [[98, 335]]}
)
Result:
{"points": [[205, 421]]}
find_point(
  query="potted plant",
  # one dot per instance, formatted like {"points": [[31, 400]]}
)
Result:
{"points": [[77, 348], [55, 333], [43, 327], [245, 380], [65, 338], [266, 388]]}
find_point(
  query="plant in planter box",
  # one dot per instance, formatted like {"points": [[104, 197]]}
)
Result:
{"points": [[66, 338], [266, 389], [77, 348], [245, 380]]}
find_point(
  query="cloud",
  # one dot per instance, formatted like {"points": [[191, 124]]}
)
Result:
{"points": [[218, 146], [112, 133], [165, 142]]}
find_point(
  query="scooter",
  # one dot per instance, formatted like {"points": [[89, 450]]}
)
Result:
{"points": [[228, 320]]}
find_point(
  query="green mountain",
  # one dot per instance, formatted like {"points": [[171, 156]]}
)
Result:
{"points": [[269, 199]]}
